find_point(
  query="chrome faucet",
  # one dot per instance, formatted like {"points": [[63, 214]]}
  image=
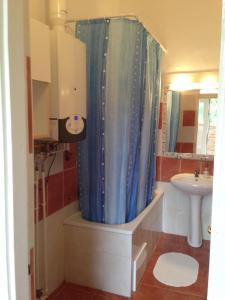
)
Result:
{"points": [[196, 173]]}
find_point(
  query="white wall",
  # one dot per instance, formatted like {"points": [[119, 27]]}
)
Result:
{"points": [[14, 151], [41, 106], [217, 257], [55, 231], [190, 30], [38, 10]]}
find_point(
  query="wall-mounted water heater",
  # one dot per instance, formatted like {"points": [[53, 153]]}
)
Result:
{"points": [[68, 86]]}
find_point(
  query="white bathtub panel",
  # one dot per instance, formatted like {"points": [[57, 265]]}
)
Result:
{"points": [[149, 230], [139, 265], [55, 247], [101, 256], [175, 210], [89, 239], [153, 220], [98, 270]]}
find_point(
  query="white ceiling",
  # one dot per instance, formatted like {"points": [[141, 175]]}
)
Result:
{"points": [[189, 30]]}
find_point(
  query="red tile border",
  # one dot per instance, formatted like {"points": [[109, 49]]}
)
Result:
{"points": [[29, 105], [158, 168], [178, 147], [63, 187], [61, 190], [70, 157], [166, 167], [210, 167], [160, 115], [188, 118], [55, 193], [185, 147], [169, 167], [69, 186], [189, 166]]}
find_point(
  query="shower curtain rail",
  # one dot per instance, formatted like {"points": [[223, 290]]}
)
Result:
{"points": [[128, 16]]}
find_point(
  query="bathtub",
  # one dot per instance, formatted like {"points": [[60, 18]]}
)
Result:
{"points": [[112, 258]]}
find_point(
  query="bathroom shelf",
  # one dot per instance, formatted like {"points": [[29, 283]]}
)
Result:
{"points": [[45, 145]]}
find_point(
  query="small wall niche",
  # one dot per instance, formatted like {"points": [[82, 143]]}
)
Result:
{"points": [[41, 108]]}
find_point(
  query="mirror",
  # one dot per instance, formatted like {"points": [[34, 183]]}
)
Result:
{"points": [[190, 122]]}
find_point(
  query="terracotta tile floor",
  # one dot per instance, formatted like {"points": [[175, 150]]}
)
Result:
{"points": [[149, 288]]}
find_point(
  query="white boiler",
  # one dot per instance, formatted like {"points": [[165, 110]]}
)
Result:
{"points": [[68, 87]]}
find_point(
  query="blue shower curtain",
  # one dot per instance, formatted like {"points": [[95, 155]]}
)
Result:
{"points": [[174, 120], [116, 161]]}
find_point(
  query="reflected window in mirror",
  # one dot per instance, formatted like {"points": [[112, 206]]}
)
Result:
{"points": [[207, 116], [190, 122]]}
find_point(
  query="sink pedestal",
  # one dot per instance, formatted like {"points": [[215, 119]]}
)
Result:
{"points": [[196, 187], [194, 237]]}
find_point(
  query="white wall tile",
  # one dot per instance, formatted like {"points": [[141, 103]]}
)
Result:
{"points": [[55, 248], [206, 216], [176, 211]]}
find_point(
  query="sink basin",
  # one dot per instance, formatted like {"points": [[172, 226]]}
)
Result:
{"points": [[186, 182], [196, 188]]}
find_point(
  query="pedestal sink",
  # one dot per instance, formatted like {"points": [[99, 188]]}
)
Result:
{"points": [[196, 188]]}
